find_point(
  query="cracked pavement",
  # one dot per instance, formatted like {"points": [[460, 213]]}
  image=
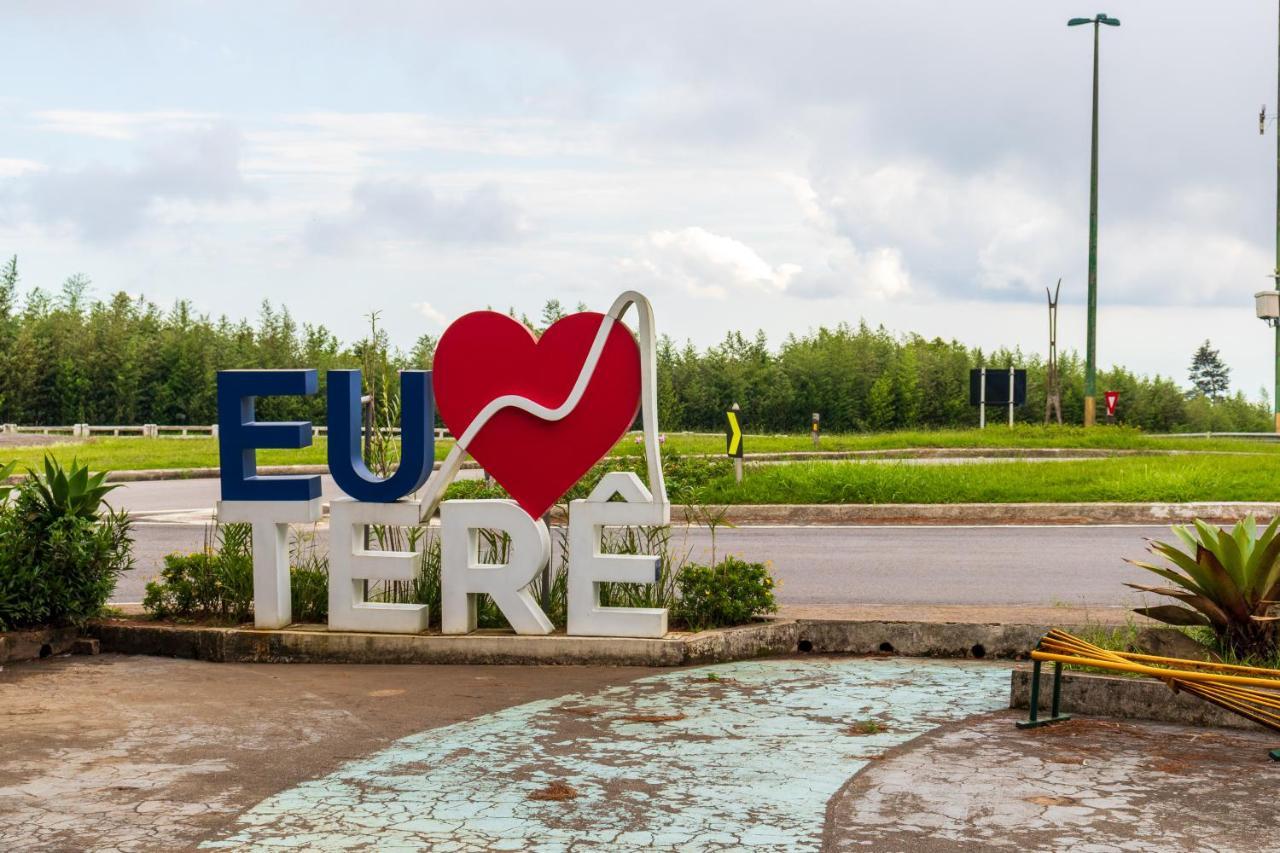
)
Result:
{"points": [[885, 754], [1086, 785], [141, 753]]}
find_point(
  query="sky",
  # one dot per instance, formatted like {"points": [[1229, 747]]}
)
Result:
{"points": [[747, 165]]}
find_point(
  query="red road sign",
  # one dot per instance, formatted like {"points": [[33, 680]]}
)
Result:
{"points": [[1112, 397]]}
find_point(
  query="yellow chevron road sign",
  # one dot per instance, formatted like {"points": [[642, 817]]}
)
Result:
{"points": [[733, 435]]}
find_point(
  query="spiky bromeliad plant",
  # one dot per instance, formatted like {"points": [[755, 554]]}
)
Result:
{"points": [[1227, 580], [6, 471], [72, 492]]}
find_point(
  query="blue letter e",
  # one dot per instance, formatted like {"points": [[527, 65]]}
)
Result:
{"points": [[417, 437], [239, 435]]}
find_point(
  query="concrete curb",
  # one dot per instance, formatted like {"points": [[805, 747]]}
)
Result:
{"points": [[316, 645], [986, 513], [996, 453], [778, 636], [1122, 698], [18, 646]]}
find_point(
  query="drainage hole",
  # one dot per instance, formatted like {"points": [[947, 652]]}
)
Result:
{"points": [[46, 650], [805, 646], [978, 650], [886, 647]]}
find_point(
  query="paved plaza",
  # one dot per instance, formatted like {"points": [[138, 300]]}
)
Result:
{"points": [[120, 753]]}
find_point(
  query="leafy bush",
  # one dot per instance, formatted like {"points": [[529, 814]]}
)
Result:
{"points": [[217, 582], [1227, 582], [730, 592], [60, 552]]}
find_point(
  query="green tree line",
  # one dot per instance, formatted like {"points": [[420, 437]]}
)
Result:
{"points": [[68, 358], [860, 378]]}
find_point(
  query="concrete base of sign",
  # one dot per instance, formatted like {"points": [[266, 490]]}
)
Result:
{"points": [[305, 643], [315, 644]]}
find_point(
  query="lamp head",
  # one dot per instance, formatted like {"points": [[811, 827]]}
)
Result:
{"points": [[1100, 18]]}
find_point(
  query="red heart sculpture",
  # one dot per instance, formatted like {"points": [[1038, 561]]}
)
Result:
{"points": [[485, 355]]}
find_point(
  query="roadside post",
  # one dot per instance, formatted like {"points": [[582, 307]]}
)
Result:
{"points": [[1112, 398], [814, 430], [982, 399], [733, 440], [1012, 384]]}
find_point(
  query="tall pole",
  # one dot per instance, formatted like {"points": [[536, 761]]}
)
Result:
{"points": [[1275, 391], [1091, 345]]}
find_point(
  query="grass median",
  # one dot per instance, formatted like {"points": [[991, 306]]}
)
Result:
{"points": [[1021, 436], [1211, 475], [1160, 479]]}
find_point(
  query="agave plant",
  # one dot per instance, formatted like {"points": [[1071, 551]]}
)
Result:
{"points": [[1226, 579], [6, 471], [70, 492]]}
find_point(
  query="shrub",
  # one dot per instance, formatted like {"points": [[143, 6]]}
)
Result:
{"points": [[730, 592], [60, 551], [214, 583], [217, 582], [1227, 582]]}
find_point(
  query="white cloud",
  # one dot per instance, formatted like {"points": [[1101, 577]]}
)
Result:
{"points": [[392, 209], [12, 167], [431, 313], [120, 125], [100, 202], [879, 274], [708, 264]]}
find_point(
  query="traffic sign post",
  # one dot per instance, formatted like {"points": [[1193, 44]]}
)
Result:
{"points": [[1012, 384], [998, 388], [733, 440], [1112, 398], [813, 428], [982, 399]]}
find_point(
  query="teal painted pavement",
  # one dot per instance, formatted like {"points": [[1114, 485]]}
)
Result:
{"points": [[714, 758]]}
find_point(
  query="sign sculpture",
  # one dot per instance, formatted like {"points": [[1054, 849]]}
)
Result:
{"points": [[536, 413]]}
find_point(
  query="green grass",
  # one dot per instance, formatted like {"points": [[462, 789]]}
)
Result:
{"points": [[120, 454], [1166, 476], [1022, 436], [1140, 479]]}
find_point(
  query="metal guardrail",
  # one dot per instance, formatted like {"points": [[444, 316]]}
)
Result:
{"points": [[147, 430]]}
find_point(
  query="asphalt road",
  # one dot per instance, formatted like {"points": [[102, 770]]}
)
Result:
{"points": [[1047, 566]]}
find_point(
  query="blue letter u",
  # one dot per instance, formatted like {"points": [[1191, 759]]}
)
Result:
{"points": [[417, 437]]}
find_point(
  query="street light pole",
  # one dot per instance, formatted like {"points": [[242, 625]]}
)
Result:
{"points": [[1275, 391], [1091, 342]]}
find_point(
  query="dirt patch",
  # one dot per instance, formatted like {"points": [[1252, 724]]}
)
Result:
{"points": [[557, 791], [1051, 801], [35, 440], [653, 718]]}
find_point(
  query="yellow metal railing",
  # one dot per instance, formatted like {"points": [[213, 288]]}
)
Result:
{"points": [[1250, 691]]}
